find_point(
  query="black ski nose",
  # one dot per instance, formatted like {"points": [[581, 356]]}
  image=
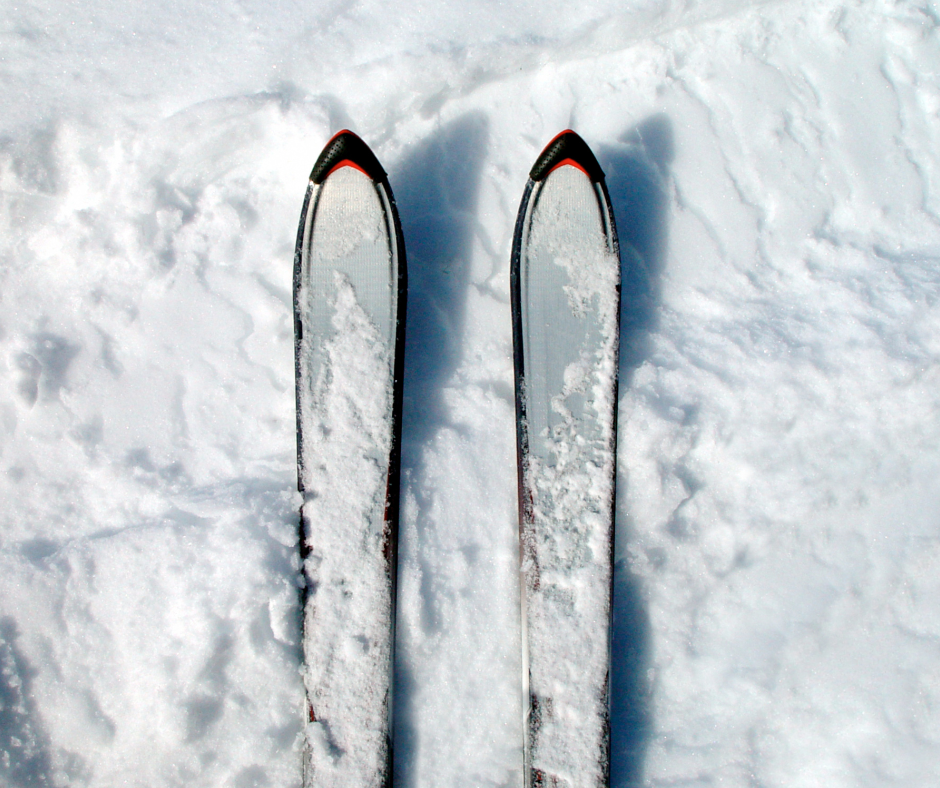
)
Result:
{"points": [[345, 149], [567, 148]]}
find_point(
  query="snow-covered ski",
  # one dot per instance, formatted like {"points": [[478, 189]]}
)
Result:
{"points": [[349, 319], [565, 282]]}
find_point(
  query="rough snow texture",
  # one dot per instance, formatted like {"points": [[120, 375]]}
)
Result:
{"points": [[346, 378], [569, 277], [774, 168]]}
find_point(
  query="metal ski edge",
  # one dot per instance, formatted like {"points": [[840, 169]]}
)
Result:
{"points": [[393, 490], [392, 496], [611, 229], [522, 452]]}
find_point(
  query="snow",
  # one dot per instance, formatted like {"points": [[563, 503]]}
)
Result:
{"points": [[773, 168]]}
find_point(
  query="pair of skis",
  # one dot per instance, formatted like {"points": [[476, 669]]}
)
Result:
{"points": [[350, 287]]}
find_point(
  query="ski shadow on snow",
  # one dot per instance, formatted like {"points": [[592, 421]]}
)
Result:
{"points": [[26, 761], [436, 189], [637, 174]]}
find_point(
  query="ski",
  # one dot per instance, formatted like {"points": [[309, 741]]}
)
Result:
{"points": [[349, 319], [565, 291]]}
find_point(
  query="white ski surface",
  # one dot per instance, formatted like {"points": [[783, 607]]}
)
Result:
{"points": [[348, 306], [569, 277]]}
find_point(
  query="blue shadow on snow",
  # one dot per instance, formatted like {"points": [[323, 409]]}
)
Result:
{"points": [[436, 188], [26, 761], [637, 174]]}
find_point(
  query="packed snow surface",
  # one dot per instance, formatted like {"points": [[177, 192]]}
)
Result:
{"points": [[775, 177], [569, 277]]}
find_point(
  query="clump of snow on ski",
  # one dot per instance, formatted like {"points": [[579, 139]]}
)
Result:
{"points": [[566, 277], [347, 311]]}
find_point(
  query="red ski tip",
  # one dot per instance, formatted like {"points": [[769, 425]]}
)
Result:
{"points": [[346, 149], [566, 148]]}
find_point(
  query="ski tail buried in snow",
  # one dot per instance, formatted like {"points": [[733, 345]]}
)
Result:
{"points": [[349, 318], [565, 282]]}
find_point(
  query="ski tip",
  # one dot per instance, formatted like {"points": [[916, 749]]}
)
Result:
{"points": [[345, 149], [567, 148]]}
